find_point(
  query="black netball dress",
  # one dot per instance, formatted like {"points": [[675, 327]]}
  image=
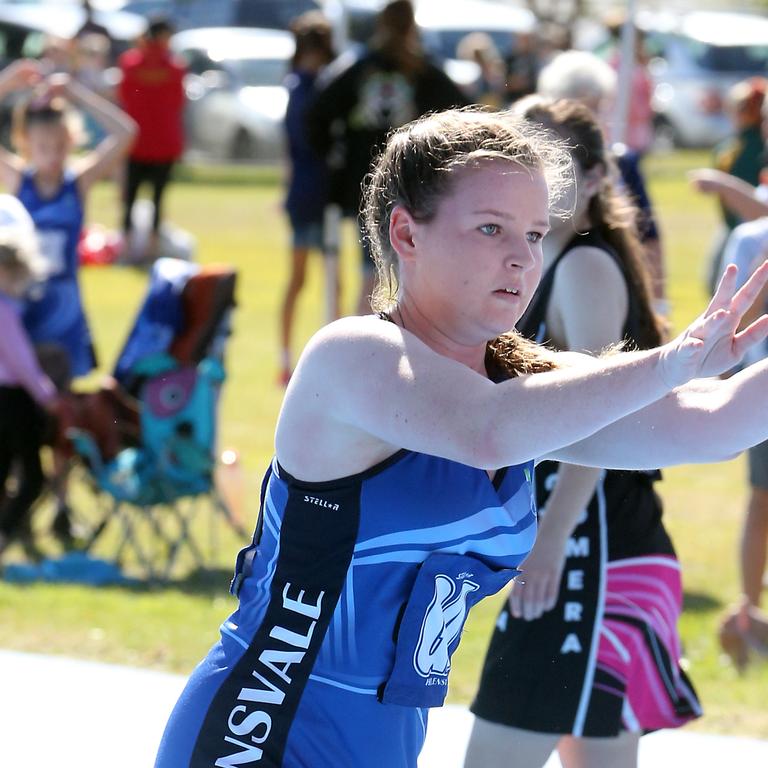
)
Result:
{"points": [[606, 658]]}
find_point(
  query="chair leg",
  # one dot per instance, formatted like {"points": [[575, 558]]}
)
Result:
{"points": [[185, 538], [221, 506], [130, 541]]}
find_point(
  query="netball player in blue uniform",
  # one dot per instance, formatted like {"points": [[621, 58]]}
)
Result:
{"points": [[400, 493], [52, 185]]}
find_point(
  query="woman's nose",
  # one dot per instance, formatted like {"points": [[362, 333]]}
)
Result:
{"points": [[520, 255]]}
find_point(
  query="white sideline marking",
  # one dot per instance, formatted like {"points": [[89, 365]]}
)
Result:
{"points": [[74, 714]]}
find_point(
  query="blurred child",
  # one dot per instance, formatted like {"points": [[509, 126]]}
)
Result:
{"points": [[52, 185], [25, 391], [308, 176]]}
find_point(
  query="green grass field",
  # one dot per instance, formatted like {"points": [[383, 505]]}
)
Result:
{"points": [[235, 216]]}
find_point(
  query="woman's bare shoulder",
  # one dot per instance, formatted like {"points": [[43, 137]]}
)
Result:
{"points": [[588, 263], [340, 360]]}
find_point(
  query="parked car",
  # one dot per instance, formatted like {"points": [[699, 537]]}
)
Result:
{"points": [[236, 97], [24, 26], [442, 25], [696, 58]]}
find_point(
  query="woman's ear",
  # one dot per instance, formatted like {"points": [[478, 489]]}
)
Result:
{"points": [[401, 227]]}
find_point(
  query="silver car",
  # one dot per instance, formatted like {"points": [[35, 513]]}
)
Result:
{"points": [[235, 91], [696, 58]]}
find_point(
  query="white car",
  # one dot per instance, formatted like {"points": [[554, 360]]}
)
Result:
{"points": [[696, 58], [235, 91]]}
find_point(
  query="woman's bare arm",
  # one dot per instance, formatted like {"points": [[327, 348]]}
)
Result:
{"points": [[707, 420], [364, 385], [120, 129], [21, 74]]}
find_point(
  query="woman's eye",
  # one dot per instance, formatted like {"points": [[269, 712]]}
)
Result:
{"points": [[490, 229], [534, 237]]}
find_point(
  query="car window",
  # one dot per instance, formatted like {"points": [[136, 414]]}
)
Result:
{"points": [[444, 43], [274, 14], [203, 13], [17, 42], [198, 62], [654, 45], [34, 45], [728, 58], [261, 72], [149, 7]]}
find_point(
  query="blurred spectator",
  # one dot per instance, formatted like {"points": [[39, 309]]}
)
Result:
{"points": [[26, 393], [90, 67], [744, 625], [522, 66], [551, 40], [745, 628], [151, 91], [56, 55], [587, 78], [92, 27], [91, 63], [307, 193], [638, 133], [480, 48], [741, 155], [360, 99], [581, 76], [739, 197]]}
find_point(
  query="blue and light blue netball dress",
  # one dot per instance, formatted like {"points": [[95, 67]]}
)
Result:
{"points": [[353, 595], [54, 312]]}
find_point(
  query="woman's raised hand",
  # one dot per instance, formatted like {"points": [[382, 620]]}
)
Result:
{"points": [[712, 344]]}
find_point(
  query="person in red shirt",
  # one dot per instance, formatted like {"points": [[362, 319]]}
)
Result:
{"points": [[151, 91]]}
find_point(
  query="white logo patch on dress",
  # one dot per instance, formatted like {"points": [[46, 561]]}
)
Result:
{"points": [[442, 623]]}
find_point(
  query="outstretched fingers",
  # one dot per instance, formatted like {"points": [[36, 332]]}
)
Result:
{"points": [[724, 293], [753, 334], [746, 295]]}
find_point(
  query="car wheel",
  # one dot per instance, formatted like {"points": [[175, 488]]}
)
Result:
{"points": [[243, 146]]}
